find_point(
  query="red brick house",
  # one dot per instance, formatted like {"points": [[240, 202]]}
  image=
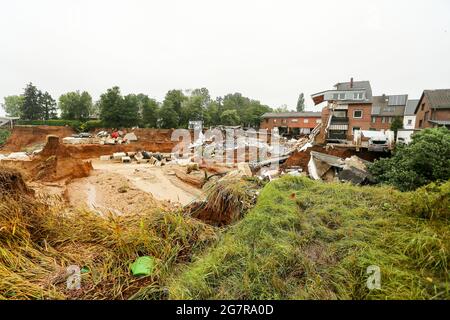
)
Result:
{"points": [[433, 109], [291, 122], [385, 109], [349, 108]]}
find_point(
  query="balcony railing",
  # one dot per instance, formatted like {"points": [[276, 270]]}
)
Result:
{"points": [[336, 120]]}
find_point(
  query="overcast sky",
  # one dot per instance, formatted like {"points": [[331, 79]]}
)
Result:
{"points": [[267, 50]]}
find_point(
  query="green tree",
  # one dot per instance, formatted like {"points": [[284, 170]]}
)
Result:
{"points": [[424, 160], [282, 109], [301, 103], [13, 105], [31, 107], [171, 110], [48, 106], [396, 125], [230, 118], [150, 110], [212, 114], [117, 111], [175, 99], [76, 106], [168, 117]]}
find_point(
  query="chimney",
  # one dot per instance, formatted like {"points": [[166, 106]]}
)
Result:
{"points": [[351, 83]]}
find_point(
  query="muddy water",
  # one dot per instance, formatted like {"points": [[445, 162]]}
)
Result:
{"points": [[145, 187]]}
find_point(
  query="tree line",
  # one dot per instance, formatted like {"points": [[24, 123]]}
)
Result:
{"points": [[117, 110]]}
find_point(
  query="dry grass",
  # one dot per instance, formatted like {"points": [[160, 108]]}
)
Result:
{"points": [[227, 200], [39, 241]]}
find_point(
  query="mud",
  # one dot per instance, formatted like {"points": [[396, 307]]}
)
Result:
{"points": [[129, 188], [25, 137]]}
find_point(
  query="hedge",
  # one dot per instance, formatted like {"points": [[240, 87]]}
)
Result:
{"points": [[75, 124]]}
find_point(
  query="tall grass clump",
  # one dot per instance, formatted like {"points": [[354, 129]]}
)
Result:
{"points": [[310, 240], [227, 200]]}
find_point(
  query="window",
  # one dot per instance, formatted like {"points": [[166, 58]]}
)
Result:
{"points": [[390, 119], [383, 120], [374, 119], [423, 106], [357, 114], [427, 114], [355, 129], [284, 121], [305, 120], [358, 96], [318, 120], [409, 122], [275, 120], [340, 114], [420, 123], [335, 96], [294, 120], [342, 96]]}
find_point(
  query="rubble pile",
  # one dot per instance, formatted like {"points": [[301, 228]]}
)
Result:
{"points": [[116, 137], [331, 168]]}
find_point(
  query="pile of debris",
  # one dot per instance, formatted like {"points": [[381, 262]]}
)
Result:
{"points": [[156, 159], [103, 138], [16, 156], [331, 168]]}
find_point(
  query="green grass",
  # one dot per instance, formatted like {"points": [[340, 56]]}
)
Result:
{"points": [[310, 240]]}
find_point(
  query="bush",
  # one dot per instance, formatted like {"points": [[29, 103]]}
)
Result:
{"points": [[425, 160], [75, 124], [432, 201], [4, 135]]}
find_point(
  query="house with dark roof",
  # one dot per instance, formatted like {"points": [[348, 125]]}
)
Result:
{"points": [[349, 108], [291, 122], [385, 109], [409, 118], [433, 109]]}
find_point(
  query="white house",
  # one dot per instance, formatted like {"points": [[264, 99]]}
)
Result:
{"points": [[409, 120]]}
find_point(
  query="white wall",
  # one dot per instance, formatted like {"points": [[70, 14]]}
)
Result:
{"points": [[404, 136], [406, 120]]}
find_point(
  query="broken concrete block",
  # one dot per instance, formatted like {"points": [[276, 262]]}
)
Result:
{"points": [[138, 156], [153, 160], [244, 168], [192, 167], [119, 155], [126, 160], [19, 156], [130, 137], [143, 160], [131, 154], [110, 141], [105, 158]]}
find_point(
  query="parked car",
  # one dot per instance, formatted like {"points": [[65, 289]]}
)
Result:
{"points": [[85, 135], [378, 144]]}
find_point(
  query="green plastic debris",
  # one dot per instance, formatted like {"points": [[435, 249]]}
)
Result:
{"points": [[143, 266], [85, 270]]}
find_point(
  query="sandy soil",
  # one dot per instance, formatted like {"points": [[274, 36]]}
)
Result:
{"points": [[129, 188]]}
